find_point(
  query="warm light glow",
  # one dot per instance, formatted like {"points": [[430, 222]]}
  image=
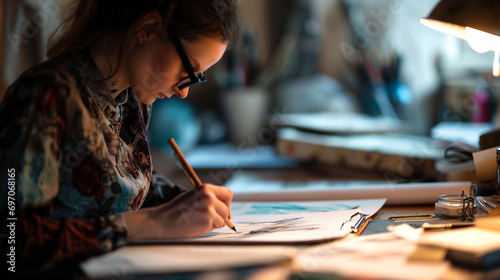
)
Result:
{"points": [[481, 41], [478, 40], [496, 64], [445, 27]]}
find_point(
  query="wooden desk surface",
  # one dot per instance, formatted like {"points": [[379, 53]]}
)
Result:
{"points": [[404, 210]]}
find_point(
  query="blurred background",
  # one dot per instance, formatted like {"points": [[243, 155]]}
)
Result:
{"points": [[300, 56], [369, 57]]}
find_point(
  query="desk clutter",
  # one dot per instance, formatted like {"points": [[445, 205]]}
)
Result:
{"points": [[405, 252], [360, 142], [325, 227], [402, 250]]}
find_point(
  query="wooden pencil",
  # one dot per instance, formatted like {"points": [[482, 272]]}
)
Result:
{"points": [[188, 170]]}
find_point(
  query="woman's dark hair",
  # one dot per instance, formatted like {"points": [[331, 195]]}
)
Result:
{"points": [[187, 19]]}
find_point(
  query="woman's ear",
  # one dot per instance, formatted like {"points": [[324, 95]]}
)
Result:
{"points": [[148, 26]]}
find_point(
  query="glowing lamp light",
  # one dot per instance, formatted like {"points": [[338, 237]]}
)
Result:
{"points": [[475, 21]]}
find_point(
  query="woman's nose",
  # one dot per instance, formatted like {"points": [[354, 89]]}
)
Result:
{"points": [[182, 93]]}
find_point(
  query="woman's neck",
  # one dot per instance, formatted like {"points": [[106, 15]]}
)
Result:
{"points": [[107, 61]]}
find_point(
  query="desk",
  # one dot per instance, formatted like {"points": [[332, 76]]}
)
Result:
{"points": [[280, 271], [165, 164]]}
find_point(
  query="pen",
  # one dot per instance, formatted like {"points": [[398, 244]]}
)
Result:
{"points": [[188, 170]]}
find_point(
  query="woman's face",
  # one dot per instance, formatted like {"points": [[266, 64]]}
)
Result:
{"points": [[155, 68]]}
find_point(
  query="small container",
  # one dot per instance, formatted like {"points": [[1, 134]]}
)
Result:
{"points": [[452, 205], [482, 101]]}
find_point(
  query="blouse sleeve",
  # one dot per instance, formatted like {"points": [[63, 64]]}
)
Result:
{"points": [[161, 190], [32, 134]]}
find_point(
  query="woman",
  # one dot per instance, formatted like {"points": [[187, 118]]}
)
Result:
{"points": [[73, 131]]}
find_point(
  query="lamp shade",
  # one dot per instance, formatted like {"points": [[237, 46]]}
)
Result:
{"points": [[475, 21], [452, 16]]}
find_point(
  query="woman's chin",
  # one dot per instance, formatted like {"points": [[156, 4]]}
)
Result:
{"points": [[148, 101]]}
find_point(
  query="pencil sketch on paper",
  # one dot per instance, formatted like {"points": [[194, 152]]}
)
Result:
{"points": [[255, 229], [250, 229], [280, 225]]}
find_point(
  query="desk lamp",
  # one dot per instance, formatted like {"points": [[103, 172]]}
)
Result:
{"points": [[478, 23], [475, 21]]}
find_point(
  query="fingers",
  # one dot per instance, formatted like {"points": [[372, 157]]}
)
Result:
{"points": [[223, 194], [211, 202], [218, 221], [222, 210], [191, 213], [220, 200]]}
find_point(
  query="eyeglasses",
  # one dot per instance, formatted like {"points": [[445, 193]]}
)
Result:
{"points": [[194, 78]]}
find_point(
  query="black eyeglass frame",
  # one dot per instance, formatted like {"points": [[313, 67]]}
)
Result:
{"points": [[194, 78]]}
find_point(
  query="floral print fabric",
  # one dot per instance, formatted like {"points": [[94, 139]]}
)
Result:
{"points": [[80, 159]]}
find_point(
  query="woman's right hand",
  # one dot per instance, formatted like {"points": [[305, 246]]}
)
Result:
{"points": [[190, 214]]}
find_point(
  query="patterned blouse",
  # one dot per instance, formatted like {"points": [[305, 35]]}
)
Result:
{"points": [[78, 159]]}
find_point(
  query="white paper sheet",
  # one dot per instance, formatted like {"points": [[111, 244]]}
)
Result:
{"points": [[131, 261], [285, 222]]}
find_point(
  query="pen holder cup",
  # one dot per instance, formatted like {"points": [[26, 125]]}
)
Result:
{"points": [[245, 111]]}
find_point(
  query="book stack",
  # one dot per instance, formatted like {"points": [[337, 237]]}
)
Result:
{"points": [[363, 143]]}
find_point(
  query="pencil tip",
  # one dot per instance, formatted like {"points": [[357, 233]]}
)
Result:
{"points": [[233, 228]]}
